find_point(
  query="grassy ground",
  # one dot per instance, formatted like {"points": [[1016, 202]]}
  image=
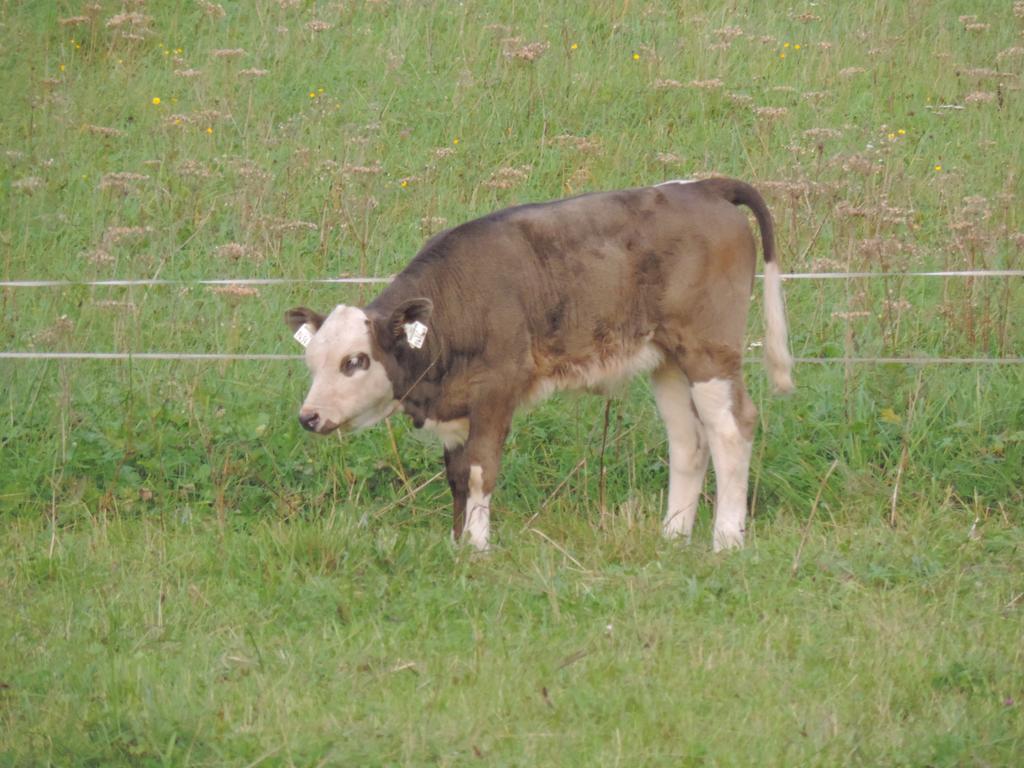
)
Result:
{"points": [[187, 580]]}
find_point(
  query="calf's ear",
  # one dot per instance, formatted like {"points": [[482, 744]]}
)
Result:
{"points": [[299, 316], [411, 311]]}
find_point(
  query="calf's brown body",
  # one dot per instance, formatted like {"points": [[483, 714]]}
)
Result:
{"points": [[577, 293]]}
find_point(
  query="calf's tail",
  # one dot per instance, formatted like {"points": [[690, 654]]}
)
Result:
{"points": [[778, 360]]}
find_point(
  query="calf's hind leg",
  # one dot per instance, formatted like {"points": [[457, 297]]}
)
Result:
{"points": [[687, 449], [728, 415]]}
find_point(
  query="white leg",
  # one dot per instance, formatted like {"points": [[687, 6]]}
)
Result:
{"points": [[730, 451], [478, 510], [687, 450]]}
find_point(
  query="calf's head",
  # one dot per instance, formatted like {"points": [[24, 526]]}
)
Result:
{"points": [[349, 356]]}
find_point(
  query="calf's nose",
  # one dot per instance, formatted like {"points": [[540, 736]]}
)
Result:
{"points": [[309, 421]]}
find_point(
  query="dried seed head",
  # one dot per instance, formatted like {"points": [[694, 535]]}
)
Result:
{"points": [[729, 33], [130, 20], [585, 144], [120, 182], [508, 177], [99, 130], [431, 224], [28, 185], [194, 169], [979, 97], [770, 113], [363, 170], [822, 134], [512, 49], [212, 10], [117, 235], [61, 327], [235, 289]]}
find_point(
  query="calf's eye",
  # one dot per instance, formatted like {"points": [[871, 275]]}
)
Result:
{"points": [[354, 363]]}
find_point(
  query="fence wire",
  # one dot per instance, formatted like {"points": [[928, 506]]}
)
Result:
{"points": [[165, 282], [264, 281], [213, 356]]}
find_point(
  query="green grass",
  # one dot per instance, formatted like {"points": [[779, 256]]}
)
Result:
{"points": [[188, 580]]}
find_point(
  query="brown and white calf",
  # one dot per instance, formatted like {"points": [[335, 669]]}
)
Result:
{"points": [[572, 294]]}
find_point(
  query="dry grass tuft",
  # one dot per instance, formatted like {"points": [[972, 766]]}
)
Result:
{"points": [[770, 113], [235, 289], [514, 50], [61, 328], [28, 185], [508, 177], [585, 144], [212, 10], [979, 97], [99, 130], [121, 182]]}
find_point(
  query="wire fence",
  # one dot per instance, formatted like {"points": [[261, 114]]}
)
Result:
{"points": [[257, 357], [267, 281], [165, 282]]}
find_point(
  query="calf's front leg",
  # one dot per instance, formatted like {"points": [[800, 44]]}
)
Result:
{"points": [[458, 481], [472, 471]]}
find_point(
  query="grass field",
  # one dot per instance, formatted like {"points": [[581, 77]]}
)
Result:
{"points": [[187, 579]]}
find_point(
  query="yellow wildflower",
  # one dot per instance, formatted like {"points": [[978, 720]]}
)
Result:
{"points": [[156, 101], [889, 416]]}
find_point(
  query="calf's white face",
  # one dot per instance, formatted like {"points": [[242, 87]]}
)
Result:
{"points": [[350, 389]]}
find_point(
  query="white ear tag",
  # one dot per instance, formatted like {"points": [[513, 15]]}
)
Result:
{"points": [[415, 333], [304, 335]]}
